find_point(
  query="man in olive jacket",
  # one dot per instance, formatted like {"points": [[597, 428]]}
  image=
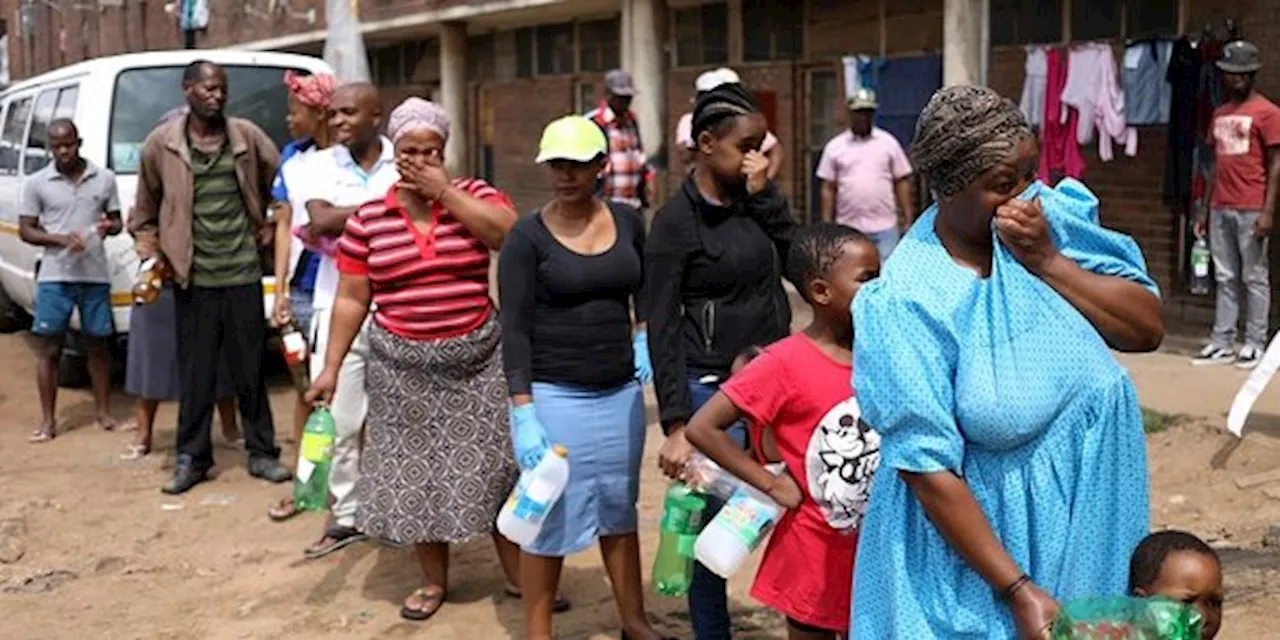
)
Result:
{"points": [[203, 188]]}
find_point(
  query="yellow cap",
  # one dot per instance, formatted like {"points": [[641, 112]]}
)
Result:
{"points": [[573, 138]]}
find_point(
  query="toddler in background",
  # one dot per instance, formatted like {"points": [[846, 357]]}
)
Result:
{"points": [[1180, 566]]}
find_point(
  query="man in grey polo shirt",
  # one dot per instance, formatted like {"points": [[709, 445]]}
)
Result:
{"points": [[67, 208]]}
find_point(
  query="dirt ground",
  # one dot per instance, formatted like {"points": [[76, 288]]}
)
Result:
{"points": [[103, 553]]}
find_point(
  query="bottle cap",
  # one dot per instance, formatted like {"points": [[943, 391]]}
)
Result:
{"points": [[560, 450]]}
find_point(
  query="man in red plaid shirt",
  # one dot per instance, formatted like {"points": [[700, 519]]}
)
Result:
{"points": [[628, 179]]}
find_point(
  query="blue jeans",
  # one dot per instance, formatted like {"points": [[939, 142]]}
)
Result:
{"points": [[885, 241], [708, 597]]}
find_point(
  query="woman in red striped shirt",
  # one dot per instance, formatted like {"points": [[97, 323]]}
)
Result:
{"points": [[437, 463]]}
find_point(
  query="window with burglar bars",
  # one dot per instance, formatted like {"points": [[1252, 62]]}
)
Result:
{"points": [[701, 35]]}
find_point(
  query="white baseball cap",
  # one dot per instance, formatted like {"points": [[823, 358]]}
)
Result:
{"points": [[711, 79]]}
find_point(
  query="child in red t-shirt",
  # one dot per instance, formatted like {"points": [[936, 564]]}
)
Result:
{"points": [[799, 391]]}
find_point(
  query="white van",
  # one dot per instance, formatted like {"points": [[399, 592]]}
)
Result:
{"points": [[115, 102]]}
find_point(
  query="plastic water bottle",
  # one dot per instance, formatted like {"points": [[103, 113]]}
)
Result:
{"points": [[535, 494], [1200, 277], [1128, 618], [315, 457], [737, 530], [705, 476], [681, 521]]}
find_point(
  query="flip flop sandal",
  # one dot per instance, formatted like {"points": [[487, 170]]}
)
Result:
{"points": [[127, 426], [135, 452], [283, 510], [335, 538], [431, 604], [40, 435], [561, 604]]}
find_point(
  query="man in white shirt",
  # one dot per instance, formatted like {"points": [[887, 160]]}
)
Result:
{"points": [[359, 168], [686, 145]]}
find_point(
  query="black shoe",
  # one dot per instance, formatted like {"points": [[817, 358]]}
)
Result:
{"points": [[269, 470], [185, 476]]}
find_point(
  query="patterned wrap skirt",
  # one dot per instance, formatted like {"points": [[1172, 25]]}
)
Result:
{"points": [[437, 463]]}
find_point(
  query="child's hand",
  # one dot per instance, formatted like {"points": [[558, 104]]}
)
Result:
{"points": [[674, 454], [785, 491]]}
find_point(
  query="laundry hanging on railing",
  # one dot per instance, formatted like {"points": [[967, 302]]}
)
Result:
{"points": [[861, 72], [1147, 91], [906, 84], [1093, 89], [1034, 87]]}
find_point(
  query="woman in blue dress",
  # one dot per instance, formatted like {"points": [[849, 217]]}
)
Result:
{"points": [[1013, 473]]}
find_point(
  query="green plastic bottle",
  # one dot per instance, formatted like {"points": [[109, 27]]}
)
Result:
{"points": [[1125, 618], [315, 457], [681, 522]]}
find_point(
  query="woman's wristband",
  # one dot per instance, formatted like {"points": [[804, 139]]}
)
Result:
{"points": [[1008, 592]]}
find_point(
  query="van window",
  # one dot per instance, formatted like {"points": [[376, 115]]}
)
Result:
{"points": [[15, 124], [144, 96], [37, 153], [67, 97]]}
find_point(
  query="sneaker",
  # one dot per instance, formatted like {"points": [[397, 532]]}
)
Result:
{"points": [[1212, 354], [269, 470], [1249, 357]]}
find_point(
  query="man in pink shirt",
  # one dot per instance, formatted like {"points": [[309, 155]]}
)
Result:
{"points": [[866, 177]]}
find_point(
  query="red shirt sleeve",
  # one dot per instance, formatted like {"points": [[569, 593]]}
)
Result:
{"points": [[482, 190], [761, 389], [353, 246], [1269, 126]]}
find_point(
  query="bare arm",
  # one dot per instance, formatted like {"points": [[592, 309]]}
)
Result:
{"points": [[951, 507], [486, 219], [827, 202], [707, 432], [349, 311], [1123, 311], [906, 203], [327, 219], [31, 232], [284, 245]]}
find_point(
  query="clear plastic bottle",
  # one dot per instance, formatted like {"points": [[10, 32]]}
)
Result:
{"points": [[746, 519], [1201, 279], [296, 354], [315, 457], [681, 521], [535, 494], [705, 476]]}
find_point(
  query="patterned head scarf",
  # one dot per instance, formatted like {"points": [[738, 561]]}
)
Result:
{"points": [[963, 131], [315, 91], [416, 114]]}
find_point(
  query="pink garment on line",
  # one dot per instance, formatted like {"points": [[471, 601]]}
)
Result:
{"points": [[1093, 88], [1059, 151]]}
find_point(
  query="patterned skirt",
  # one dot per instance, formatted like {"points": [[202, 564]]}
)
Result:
{"points": [[437, 463]]}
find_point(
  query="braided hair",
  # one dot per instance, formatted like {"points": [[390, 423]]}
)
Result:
{"points": [[721, 105], [815, 249], [962, 132]]}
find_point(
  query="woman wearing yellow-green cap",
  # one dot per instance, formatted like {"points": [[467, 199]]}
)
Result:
{"points": [[568, 276]]}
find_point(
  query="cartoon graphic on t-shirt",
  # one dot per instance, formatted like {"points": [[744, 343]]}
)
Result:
{"points": [[1231, 133], [842, 456]]}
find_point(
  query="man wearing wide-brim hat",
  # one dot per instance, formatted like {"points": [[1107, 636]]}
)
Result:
{"points": [[1242, 203]]}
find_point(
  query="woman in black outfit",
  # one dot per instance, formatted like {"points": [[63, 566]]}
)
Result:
{"points": [[567, 276], [713, 287]]}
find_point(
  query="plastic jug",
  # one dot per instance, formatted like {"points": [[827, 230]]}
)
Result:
{"points": [[746, 519], [535, 494], [1124, 618], [681, 521], [315, 457]]}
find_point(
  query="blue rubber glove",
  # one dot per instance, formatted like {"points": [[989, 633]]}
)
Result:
{"points": [[644, 368], [528, 437]]}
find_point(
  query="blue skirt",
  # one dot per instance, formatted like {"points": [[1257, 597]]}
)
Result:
{"points": [[604, 431]]}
